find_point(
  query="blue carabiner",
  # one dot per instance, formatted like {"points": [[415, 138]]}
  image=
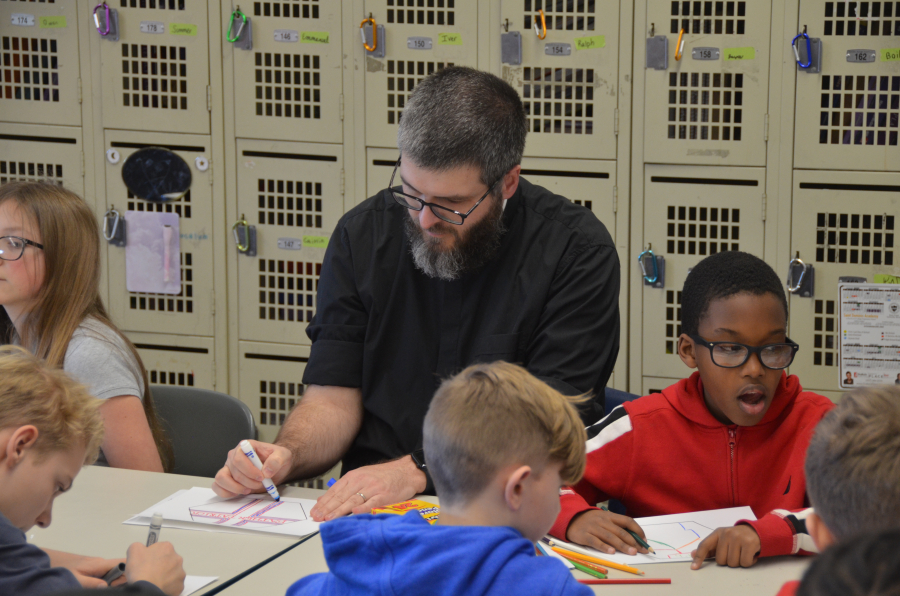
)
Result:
{"points": [[808, 50], [644, 268]]}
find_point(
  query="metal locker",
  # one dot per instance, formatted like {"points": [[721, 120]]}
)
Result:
{"points": [[51, 153], [656, 384], [40, 78], [567, 76], [691, 213], [289, 85], [417, 41], [709, 104], [176, 359], [156, 76], [191, 311], [843, 224], [848, 114], [291, 193]]}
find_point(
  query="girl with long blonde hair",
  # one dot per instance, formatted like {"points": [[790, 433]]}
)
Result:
{"points": [[50, 290]]}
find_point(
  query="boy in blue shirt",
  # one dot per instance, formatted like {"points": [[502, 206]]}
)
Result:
{"points": [[499, 445]]}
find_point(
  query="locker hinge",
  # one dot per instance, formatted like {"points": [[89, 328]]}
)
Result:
{"points": [[212, 302], [214, 373], [82, 164], [616, 121], [209, 172], [79, 91], [765, 202], [766, 129], [208, 99], [615, 199], [342, 105], [342, 182]]}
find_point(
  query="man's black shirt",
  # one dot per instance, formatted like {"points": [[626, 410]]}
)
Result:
{"points": [[548, 301]]}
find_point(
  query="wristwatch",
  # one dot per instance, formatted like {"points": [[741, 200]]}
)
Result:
{"points": [[418, 457]]}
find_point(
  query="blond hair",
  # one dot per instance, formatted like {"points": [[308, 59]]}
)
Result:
{"points": [[71, 289], [65, 414], [853, 463], [494, 415]]}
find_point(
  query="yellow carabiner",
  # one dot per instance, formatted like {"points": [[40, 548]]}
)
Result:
{"points": [[234, 231], [679, 46], [542, 34], [362, 32]]}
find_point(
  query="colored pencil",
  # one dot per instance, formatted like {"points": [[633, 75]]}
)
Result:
{"points": [[588, 570], [634, 535], [592, 559], [648, 580], [568, 556]]}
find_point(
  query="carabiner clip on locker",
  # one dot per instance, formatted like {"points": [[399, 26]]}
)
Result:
{"points": [[236, 232], [679, 45], [236, 13], [808, 49], [97, 19], [648, 279], [791, 286], [362, 34], [542, 32], [113, 219]]}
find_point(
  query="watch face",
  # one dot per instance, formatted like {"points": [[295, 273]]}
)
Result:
{"points": [[418, 457]]}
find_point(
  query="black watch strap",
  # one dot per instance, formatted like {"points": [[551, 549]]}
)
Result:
{"points": [[418, 457]]}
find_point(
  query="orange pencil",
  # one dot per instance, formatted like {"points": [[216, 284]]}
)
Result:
{"points": [[591, 559], [568, 555]]}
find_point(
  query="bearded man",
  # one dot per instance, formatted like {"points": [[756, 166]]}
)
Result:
{"points": [[458, 261]]}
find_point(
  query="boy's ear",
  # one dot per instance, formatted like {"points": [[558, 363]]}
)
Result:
{"points": [[687, 351], [819, 532], [18, 443], [515, 487]]}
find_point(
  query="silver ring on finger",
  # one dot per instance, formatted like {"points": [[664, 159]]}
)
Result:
{"points": [[363, 497]]}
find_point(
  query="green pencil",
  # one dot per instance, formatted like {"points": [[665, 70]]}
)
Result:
{"points": [[640, 540], [587, 570]]}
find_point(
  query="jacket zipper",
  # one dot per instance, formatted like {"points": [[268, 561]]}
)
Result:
{"points": [[731, 442]]}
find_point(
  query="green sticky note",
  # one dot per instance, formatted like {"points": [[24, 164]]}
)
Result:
{"points": [[52, 22], [314, 37], [740, 54], [182, 29], [882, 278], [589, 43], [450, 39], [890, 55], [315, 241]]}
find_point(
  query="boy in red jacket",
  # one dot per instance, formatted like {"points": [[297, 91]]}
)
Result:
{"points": [[734, 433]]}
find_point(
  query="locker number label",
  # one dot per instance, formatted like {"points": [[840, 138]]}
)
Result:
{"points": [[52, 23], [418, 43], [590, 43], [558, 49], [290, 243], [182, 29], [890, 55], [705, 53], [22, 20], [286, 35], [860, 55], [315, 241], [153, 27], [450, 39], [314, 37], [740, 54]]}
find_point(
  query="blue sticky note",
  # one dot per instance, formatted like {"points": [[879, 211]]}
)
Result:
{"points": [[331, 482]]}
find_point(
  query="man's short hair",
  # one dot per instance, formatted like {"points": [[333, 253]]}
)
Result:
{"points": [[65, 414], [868, 565], [853, 463], [460, 116], [723, 275], [491, 416]]}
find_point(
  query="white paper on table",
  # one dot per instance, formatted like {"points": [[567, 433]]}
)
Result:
{"points": [[201, 508], [545, 548], [192, 583], [674, 536]]}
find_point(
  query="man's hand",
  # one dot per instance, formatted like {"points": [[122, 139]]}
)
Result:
{"points": [[158, 564], [606, 532], [382, 484], [737, 546], [89, 571], [240, 477]]}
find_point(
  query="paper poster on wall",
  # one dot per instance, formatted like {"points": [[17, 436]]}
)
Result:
{"points": [[152, 254], [870, 335]]}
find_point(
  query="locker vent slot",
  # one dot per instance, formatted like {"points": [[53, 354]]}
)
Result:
{"points": [[707, 17], [169, 146], [180, 206], [859, 110], [183, 302], [825, 336], [559, 100], [855, 238], [289, 203], [276, 398], [165, 348], [154, 76], [277, 358], [402, 78], [673, 320], [161, 377], [287, 85], [871, 18], [299, 156], [564, 174], [439, 12], [30, 69], [705, 106], [287, 290], [562, 16], [160, 4], [298, 9], [712, 181], [61, 140], [588, 204], [702, 230], [22, 170]]}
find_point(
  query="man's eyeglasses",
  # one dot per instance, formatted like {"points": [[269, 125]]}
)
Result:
{"points": [[444, 213], [729, 354], [13, 247]]}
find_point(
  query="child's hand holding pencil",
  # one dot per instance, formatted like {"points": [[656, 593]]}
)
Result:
{"points": [[608, 532]]}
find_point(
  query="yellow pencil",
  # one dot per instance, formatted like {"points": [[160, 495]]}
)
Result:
{"points": [[592, 559], [568, 555]]}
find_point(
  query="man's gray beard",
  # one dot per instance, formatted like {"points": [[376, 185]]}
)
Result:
{"points": [[477, 247]]}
